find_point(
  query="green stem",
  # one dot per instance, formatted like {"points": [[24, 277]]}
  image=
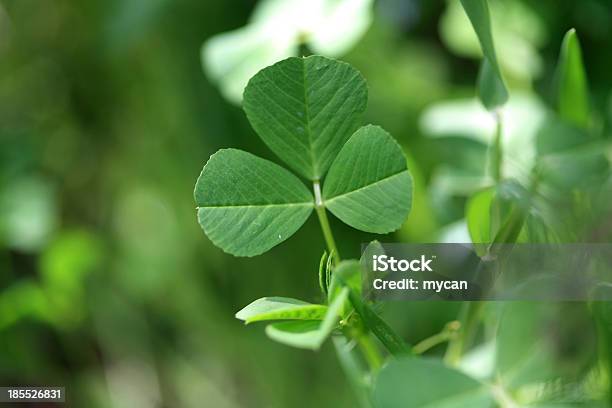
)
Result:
{"points": [[449, 332], [468, 323], [496, 149], [370, 352], [324, 222]]}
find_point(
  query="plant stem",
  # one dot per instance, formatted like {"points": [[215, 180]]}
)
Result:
{"points": [[324, 222], [448, 333], [370, 352], [468, 321], [496, 149]]}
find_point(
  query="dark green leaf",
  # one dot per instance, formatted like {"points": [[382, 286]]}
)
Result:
{"points": [[247, 205], [305, 109], [369, 186], [280, 308], [420, 383]]}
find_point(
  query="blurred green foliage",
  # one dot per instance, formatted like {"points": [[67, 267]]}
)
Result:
{"points": [[108, 286]]}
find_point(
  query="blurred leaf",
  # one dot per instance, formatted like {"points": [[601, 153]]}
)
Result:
{"points": [[29, 213], [524, 116], [369, 186], [491, 88], [408, 383], [518, 30], [357, 374], [276, 30], [572, 97], [478, 217], [305, 109], [309, 334], [546, 348], [247, 205], [280, 308], [347, 273], [603, 316]]}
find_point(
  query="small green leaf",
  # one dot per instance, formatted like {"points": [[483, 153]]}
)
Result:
{"points": [[572, 96], [369, 186], [309, 334], [280, 308], [305, 109], [491, 88], [247, 205], [408, 383], [300, 334], [323, 272]]}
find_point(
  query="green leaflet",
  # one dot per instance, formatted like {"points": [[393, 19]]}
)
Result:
{"points": [[420, 383], [572, 97], [309, 334], [280, 308], [368, 185], [491, 88], [247, 205], [305, 109]]}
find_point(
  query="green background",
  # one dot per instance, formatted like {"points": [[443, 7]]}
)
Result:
{"points": [[108, 285]]}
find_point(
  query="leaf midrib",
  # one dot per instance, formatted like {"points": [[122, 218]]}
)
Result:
{"points": [[315, 165], [364, 187]]}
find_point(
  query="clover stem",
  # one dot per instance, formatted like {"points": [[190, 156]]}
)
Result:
{"points": [[324, 222]]}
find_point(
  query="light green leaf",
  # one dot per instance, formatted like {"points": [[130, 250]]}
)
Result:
{"points": [[247, 205], [300, 334], [572, 96], [231, 59], [369, 186], [275, 31], [280, 308], [309, 334], [408, 383], [478, 217], [305, 109], [491, 88]]}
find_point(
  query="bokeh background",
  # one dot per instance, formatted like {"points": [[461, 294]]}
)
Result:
{"points": [[107, 284]]}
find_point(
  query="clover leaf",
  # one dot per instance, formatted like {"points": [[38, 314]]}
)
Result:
{"points": [[307, 111]]}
